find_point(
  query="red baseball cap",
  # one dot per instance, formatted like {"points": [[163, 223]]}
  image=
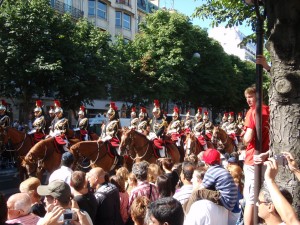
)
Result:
{"points": [[212, 156]]}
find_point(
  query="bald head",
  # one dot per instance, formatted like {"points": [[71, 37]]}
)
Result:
{"points": [[96, 176], [19, 205]]}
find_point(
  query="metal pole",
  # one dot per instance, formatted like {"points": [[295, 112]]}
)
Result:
{"points": [[258, 118]]}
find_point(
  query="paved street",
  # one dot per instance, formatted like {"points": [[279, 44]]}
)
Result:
{"points": [[9, 181]]}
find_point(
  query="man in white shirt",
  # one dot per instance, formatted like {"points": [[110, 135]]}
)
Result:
{"points": [[64, 172]]}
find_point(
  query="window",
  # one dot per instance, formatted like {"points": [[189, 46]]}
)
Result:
{"points": [[101, 10], [91, 7], [68, 5], [118, 19], [126, 21]]}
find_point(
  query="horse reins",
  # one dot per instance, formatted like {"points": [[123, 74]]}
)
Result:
{"points": [[137, 147], [22, 142]]}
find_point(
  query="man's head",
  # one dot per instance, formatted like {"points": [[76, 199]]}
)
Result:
{"points": [[187, 172], [18, 205], [212, 156], [165, 211], [67, 159], [78, 181], [96, 176], [250, 96], [140, 170], [56, 193], [30, 186], [266, 208]]}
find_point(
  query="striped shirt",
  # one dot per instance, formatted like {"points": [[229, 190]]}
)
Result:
{"points": [[143, 189], [218, 178], [183, 193], [29, 219]]}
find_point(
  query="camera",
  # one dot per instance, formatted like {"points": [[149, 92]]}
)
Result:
{"points": [[280, 159], [68, 216]]}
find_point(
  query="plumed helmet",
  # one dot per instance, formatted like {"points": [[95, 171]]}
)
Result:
{"points": [[81, 110], [156, 108], [225, 117], [133, 112], [51, 110], [57, 106], [205, 115], [143, 113], [3, 105], [112, 110], [231, 116], [175, 112], [38, 108], [199, 113], [142, 125]]}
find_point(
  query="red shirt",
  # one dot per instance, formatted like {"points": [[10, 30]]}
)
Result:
{"points": [[250, 123]]}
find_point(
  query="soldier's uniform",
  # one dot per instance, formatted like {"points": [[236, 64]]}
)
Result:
{"points": [[4, 118], [158, 126], [110, 130], [39, 123], [224, 122], [240, 121], [174, 128], [231, 127], [208, 125], [134, 121], [199, 128], [144, 122], [188, 123], [82, 124]]}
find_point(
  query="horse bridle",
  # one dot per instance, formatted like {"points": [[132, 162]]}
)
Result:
{"points": [[5, 133], [215, 137]]}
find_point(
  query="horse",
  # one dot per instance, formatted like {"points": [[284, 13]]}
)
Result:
{"points": [[19, 143], [44, 156], [99, 153], [192, 145], [140, 148], [220, 135]]}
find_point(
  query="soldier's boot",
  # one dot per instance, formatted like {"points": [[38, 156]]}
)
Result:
{"points": [[178, 144]]}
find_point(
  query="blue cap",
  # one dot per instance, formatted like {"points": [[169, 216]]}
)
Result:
{"points": [[232, 160], [67, 157]]}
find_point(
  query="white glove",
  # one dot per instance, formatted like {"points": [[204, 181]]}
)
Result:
{"points": [[152, 136]]}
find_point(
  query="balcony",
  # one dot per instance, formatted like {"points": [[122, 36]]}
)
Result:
{"points": [[65, 8], [124, 2]]}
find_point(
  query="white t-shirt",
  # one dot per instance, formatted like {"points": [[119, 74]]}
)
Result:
{"points": [[205, 212], [63, 173]]}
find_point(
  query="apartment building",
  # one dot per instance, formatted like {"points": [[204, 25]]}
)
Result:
{"points": [[118, 17]]}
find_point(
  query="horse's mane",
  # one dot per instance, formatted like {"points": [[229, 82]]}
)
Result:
{"points": [[138, 133]]}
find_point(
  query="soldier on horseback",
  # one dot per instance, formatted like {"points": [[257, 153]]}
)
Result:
{"points": [[224, 122], [240, 121], [144, 123], [231, 127], [82, 124], [4, 118], [188, 123], [158, 126], [174, 128], [199, 128], [208, 126], [134, 121], [39, 123]]}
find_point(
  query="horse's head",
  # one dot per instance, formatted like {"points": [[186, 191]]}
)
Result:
{"points": [[126, 140], [215, 135], [30, 163]]}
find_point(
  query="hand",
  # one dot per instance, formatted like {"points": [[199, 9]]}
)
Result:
{"points": [[291, 161], [259, 159], [272, 169], [260, 59], [82, 217], [52, 216]]}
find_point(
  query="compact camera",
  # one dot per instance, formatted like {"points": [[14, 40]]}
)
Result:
{"points": [[68, 216], [280, 159]]}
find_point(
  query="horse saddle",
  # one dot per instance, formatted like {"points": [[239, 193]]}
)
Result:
{"points": [[59, 140]]}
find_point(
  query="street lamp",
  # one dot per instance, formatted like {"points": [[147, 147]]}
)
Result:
{"points": [[258, 119]]}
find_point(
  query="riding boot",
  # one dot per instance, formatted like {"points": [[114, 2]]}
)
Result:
{"points": [[178, 142], [162, 152], [65, 148]]}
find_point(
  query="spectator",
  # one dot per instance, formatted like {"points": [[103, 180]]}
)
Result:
{"points": [[153, 172], [218, 184], [144, 188], [281, 204], [19, 206], [250, 158], [108, 198], [167, 167], [3, 211], [132, 182], [64, 172], [85, 199], [186, 176], [197, 179], [58, 200], [165, 211], [164, 186], [123, 172], [124, 196], [293, 166], [138, 210], [29, 186]]}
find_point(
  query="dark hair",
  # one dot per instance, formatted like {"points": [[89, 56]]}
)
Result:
{"points": [[167, 210], [3, 209], [140, 170], [78, 180], [164, 186], [167, 163], [187, 170], [119, 182]]}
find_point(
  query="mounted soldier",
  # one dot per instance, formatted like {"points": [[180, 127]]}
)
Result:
{"points": [[4, 118], [39, 123], [158, 126], [134, 121], [208, 126], [49, 119], [240, 121], [188, 123], [231, 127], [224, 122], [199, 128], [82, 124], [60, 126], [174, 128], [144, 122], [110, 130]]}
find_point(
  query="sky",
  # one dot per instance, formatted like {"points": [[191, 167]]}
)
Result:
{"points": [[187, 7]]}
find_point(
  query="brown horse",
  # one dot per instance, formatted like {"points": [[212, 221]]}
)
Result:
{"points": [[221, 138], [99, 153], [140, 148], [193, 146], [19, 143], [44, 156]]}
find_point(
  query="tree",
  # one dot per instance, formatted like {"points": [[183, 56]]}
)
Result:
{"points": [[283, 35]]}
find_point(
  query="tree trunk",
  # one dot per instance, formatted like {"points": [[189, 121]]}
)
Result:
{"points": [[284, 47]]}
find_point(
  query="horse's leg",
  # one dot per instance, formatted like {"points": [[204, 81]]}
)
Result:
{"points": [[174, 153]]}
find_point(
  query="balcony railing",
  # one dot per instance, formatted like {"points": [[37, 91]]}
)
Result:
{"points": [[65, 8], [124, 2]]}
